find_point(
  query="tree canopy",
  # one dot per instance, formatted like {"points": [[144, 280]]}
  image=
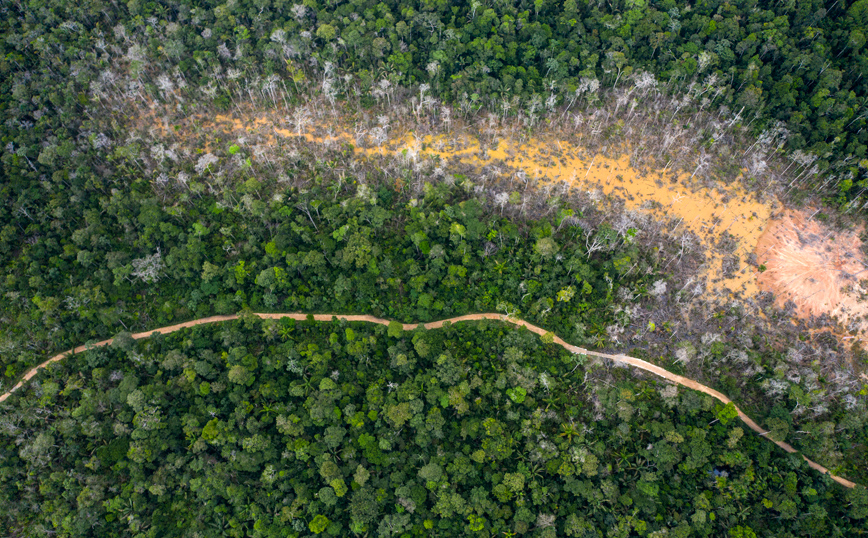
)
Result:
{"points": [[284, 428]]}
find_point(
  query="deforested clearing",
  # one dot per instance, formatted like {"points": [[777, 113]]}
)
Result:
{"points": [[816, 268], [724, 220]]}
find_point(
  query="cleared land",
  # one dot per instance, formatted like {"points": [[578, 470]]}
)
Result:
{"points": [[817, 268], [735, 230], [708, 215], [805, 261]]}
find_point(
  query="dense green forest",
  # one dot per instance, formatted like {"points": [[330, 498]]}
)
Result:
{"points": [[135, 264], [278, 428], [328, 249]]}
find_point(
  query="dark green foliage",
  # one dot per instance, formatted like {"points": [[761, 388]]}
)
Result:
{"points": [[91, 244], [307, 446], [287, 260]]}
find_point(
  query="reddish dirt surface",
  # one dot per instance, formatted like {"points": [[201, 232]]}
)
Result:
{"points": [[815, 267], [638, 363]]}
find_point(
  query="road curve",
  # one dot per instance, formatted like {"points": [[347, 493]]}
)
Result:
{"points": [[638, 363]]}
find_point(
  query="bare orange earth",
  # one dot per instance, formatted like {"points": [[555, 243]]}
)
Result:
{"points": [[816, 267], [807, 263], [810, 272], [637, 363], [708, 213]]}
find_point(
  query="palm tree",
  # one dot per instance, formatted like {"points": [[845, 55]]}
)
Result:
{"points": [[569, 430]]}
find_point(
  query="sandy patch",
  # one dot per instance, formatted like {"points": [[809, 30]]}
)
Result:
{"points": [[723, 214], [816, 267]]}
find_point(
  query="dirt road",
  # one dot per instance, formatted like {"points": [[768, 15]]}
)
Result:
{"points": [[638, 363]]}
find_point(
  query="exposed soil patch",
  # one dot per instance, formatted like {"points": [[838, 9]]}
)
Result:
{"points": [[718, 225], [721, 216], [816, 268]]}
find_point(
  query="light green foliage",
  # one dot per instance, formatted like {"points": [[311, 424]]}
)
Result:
{"points": [[431, 472], [566, 294], [514, 481], [421, 346], [326, 32], [240, 375], [361, 475], [734, 436], [395, 330], [516, 394], [398, 414], [546, 247], [339, 486], [727, 413], [318, 524], [741, 532]]}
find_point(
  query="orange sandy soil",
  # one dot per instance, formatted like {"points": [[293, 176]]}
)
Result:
{"points": [[708, 213], [806, 263], [816, 267]]}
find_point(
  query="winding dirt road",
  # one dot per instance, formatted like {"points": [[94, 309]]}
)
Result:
{"points": [[638, 363]]}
